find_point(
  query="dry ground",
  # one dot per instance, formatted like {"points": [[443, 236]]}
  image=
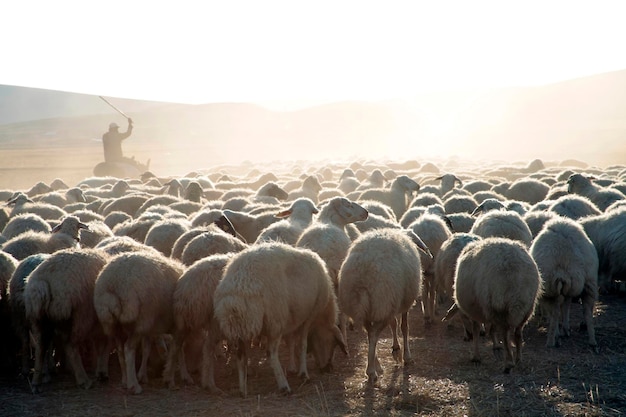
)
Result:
{"points": [[568, 381]]}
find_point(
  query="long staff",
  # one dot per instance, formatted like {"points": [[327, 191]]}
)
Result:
{"points": [[118, 110]]}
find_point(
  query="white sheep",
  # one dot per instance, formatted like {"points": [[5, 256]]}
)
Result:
{"points": [[163, 234], [380, 280], [503, 223], [447, 183], [396, 197], [568, 263], [328, 237], [574, 206], [58, 298], [128, 204], [250, 226], [295, 219], [537, 219], [608, 234], [433, 231], [133, 301], [96, 232], [461, 222], [22, 204], [310, 188], [211, 241], [497, 283], [18, 310], [274, 290], [24, 222], [65, 235], [529, 190], [193, 316], [460, 204], [8, 264], [602, 197], [445, 267]]}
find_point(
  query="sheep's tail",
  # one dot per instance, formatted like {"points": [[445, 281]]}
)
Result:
{"points": [[108, 310], [239, 318], [36, 298]]}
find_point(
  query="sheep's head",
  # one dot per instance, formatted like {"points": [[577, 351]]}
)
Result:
{"points": [[322, 342], [343, 211], [408, 185], [271, 189], [70, 225], [577, 182], [419, 243], [448, 181], [75, 195], [18, 199], [303, 207], [194, 192]]}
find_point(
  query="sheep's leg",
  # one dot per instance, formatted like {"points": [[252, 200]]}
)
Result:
{"points": [[565, 308], [519, 341], [146, 348], [172, 357], [431, 296], [509, 363], [184, 372], [25, 351], [72, 355], [303, 372], [119, 347], [475, 339], [208, 364], [553, 326], [588, 305], [272, 344], [373, 365], [343, 326], [291, 348], [395, 347], [427, 299], [42, 340], [102, 362], [408, 359], [242, 367], [130, 351], [494, 332]]}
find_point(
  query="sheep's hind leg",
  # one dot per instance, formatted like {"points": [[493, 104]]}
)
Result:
{"points": [[408, 359], [506, 333], [475, 340], [272, 345], [588, 304], [373, 365], [242, 367], [395, 347], [130, 349], [82, 380]]}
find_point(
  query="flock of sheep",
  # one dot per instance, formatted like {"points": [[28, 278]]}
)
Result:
{"points": [[214, 264]]}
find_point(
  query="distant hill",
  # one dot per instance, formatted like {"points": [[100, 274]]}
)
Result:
{"points": [[583, 118]]}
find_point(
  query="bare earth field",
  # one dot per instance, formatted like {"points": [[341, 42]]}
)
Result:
{"points": [[566, 381]]}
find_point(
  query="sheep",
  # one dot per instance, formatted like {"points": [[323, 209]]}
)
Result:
{"points": [[193, 315], [163, 234], [24, 222], [476, 186], [574, 206], [295, 219], [138, 228], [379, 280], [425, 199], [116, 217], [64, 235], [461, 222], [96, 232], [396, 196], [375, 180], [58, 298], [327, 236], [311, 188], [433, 231], [497, 282], [72, 195], [87, 216], [15, 294], [600, 196], [447, 183], [503, 223], [487, 205], [460, 204], [211, 241], [128, 204], [568, 264], [537, 219], [22, 204], [348, 182], [133, 301], [115, 245], [274, 290], [529, 190], [608, 234], [250, 226], [8, 264], [445, 266]]}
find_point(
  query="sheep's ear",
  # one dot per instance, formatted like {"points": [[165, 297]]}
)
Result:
{"points": [[83, 226], [477, 210], [340, 340], [225, 225], [56, 228], [446, 219], [457, 179], [315, 211], [283, 214]]}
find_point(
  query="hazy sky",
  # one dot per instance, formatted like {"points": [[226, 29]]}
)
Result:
{"points": [[213, 51]]}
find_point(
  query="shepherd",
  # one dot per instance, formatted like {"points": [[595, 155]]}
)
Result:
{"points": [[112, 143]]}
